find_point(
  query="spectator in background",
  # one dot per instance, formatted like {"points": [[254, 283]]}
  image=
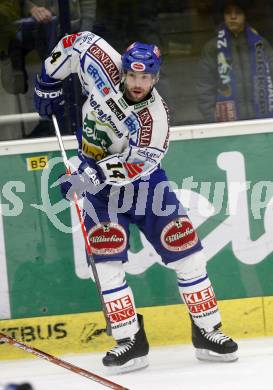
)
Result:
{"points": [[236, 70], [82, 12], [39, 30], [9, 13], [122, 22]]}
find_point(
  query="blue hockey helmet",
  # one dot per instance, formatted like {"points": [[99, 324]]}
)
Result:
{"points": [[141, 57]]}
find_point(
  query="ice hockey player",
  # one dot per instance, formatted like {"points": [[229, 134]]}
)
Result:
{"points": [[124, 136]]}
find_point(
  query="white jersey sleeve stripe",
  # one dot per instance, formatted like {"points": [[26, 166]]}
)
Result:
{"points": [[78, 51], [60, 66]]}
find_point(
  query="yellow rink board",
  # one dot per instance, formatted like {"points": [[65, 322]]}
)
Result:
{"points": [[165, 325]]}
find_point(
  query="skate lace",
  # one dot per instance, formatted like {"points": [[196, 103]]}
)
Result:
{"points": [[216, 336], [122, 347]]}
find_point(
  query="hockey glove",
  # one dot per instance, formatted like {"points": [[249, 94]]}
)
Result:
{"points": [[70, 184], [90, 163], [48, 98], [87, 178]]}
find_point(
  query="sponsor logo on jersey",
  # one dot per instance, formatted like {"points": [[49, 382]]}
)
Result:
{"points": [[69, 40], [120, 309], [133, 169], [166, 143], [95, 142], [145, 103], [107, 63], [137, 106], [107, 239], [115, 109], [100, 83], [132, 124], [138, 66], [123, 103], [200, 301], [87, 39], [179, 235], [146, 129], [149, 155], [102, 117], [94, 151]]}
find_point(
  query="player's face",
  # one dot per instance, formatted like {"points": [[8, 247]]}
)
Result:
{"points": [[235, 19], [138, 85]]}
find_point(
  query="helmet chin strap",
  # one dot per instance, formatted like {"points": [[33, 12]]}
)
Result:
{"points": [[122, 77], [156, 78]]}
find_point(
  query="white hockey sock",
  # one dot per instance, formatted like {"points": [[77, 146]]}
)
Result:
{"points": [[121, 311], [118, 298], [197, 293], [196, 290]]}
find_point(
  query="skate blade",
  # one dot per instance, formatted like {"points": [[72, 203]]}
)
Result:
{"points": [[132, 365], [206, 355]]}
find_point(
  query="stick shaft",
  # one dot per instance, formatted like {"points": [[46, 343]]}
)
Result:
{"points": [[66, 163], [60, 141], [84, 231], [59, 362]]}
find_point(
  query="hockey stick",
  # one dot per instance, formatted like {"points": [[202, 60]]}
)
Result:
{"points": [[59, 362], [84, 232]]}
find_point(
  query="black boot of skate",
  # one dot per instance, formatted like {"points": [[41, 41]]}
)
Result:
{"points": [[214, 345], [129, 354]]}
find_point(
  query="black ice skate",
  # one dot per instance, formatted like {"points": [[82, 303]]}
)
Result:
{"points": [[130, 354], [214, 345]]}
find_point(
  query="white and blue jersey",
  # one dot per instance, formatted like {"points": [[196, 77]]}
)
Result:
{"points": [[133, 139], [128, 143]]}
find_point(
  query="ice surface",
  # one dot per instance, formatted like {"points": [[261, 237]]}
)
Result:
{"points": [[171, 368]]}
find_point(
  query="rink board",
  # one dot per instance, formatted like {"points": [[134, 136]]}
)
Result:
{"points": [[43, 267], [165, 325]]}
